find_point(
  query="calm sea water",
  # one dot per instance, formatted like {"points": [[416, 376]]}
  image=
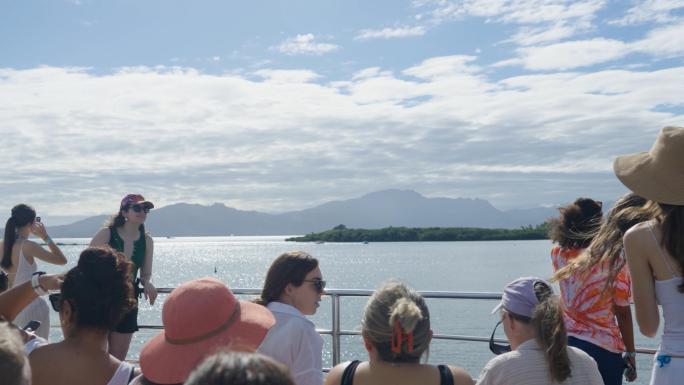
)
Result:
{"points": [[455, 266]]}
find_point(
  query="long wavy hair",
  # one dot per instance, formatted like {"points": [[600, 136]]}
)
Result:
{"points": [[606, 247]]}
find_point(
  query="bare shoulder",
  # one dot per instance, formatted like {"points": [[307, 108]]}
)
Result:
{"points": [[334, 377], [44, 355], [101, 237], [460, 376], [639, 230]]}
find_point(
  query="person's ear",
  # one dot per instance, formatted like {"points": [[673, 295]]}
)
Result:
{"points": [[67, 312], [369, 345]]}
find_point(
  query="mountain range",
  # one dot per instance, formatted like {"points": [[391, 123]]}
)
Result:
{"points": [[371, 211]]}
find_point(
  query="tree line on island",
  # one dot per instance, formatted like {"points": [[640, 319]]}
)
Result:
{"points": [[341, 233]]}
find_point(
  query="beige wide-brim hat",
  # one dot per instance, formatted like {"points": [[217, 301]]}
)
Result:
{"points": [[657, 175]]}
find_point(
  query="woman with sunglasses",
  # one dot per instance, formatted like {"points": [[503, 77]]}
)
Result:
{"points": [[19, 260], [539, 354], [292, 290], [94, 296], [125, 233], [655, 249], [396, 333]]}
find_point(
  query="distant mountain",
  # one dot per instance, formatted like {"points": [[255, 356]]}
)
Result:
{"points": [[371, 211]]}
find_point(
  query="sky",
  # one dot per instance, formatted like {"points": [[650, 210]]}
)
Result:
{"points": [[282, 105]]}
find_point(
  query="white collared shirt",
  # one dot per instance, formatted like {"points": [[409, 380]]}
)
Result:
{"points": [[294, 341], [527, 365]]}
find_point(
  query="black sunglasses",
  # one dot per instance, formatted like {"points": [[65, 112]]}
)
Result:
{"points": [[139, 208], [318, 284], [495, 347], [56, 301]]}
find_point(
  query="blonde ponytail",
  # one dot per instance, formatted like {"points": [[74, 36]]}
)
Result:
{"points": [[397, 322]]}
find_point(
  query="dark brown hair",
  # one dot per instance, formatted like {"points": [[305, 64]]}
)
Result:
{"points": [[289, 268], [99, 288], [118, 220], [549, 329], [577, 224], [22, 215], [236, 368], [672, 222]]}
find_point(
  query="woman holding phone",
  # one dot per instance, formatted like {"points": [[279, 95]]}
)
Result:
{"points": [[19, 256], [125, 233]]}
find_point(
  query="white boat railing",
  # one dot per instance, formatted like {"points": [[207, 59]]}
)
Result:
{"points": [[336, 331]]}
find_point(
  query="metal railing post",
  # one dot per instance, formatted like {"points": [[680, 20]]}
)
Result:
{"points": [[335, 300]]}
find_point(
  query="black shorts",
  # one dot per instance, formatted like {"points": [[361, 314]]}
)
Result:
{"points": [[129, 323]]}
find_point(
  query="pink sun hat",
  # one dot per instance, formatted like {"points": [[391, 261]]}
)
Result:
{"points": [[200, 317]]}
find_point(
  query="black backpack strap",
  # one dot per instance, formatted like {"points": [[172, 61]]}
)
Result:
{"points": [[349, 371], [445, 376]]}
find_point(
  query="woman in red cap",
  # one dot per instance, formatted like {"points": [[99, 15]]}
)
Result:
{"points": [[125, 233]]}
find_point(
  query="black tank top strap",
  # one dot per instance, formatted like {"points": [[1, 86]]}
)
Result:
{"points": [[445, 376], [348, 374]]}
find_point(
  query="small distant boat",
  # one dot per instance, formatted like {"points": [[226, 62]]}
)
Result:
{"points": [[365, 242], [320, 242]]}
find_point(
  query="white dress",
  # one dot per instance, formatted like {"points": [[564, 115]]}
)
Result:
{"points": [[668, 363], [38, 309]]}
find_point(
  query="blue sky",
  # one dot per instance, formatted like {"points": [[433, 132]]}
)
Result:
{"points": [[280, 105]]}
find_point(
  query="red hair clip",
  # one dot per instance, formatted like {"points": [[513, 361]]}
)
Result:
{"points": [[398, 337]]}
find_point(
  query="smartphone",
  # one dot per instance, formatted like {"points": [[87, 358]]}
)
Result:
{"points": [[37, 219], [32, 326]]}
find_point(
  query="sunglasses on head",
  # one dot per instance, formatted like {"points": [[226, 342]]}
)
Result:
{"points": [[138, 208], [56, 301], [318, 284], [495, 347]]}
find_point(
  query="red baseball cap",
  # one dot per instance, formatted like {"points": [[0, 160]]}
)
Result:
{"points": [[132, 199]]}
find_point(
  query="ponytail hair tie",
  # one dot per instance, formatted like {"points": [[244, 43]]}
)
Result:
{"points": [[398, 337]]}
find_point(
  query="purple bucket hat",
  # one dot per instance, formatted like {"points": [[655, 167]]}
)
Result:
{"points": [[519, 298]]}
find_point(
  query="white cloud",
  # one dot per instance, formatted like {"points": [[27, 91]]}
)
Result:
{"points": [[282, 139], [287, 76], [390, 33], [304, 45], [572, 54], [659, 11], [666, 41], [539, 20], [443, 66], [660, 43]]}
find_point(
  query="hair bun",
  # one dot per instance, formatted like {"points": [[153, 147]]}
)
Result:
{"points": [[407, 313]]}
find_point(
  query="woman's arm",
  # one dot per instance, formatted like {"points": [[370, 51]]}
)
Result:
{"points": [[101, 238], [149, 290], [623, 314], [17, 298], [643, 285], [54, 256]]}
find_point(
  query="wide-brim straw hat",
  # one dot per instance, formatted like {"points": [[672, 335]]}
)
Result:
{"points": [[201, 317], [657, 175]]}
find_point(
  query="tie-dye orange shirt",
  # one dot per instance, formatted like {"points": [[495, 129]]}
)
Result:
{"points": [[587, 308]]}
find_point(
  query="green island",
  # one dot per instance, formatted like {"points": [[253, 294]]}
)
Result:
{"points": [[341, 233]]}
